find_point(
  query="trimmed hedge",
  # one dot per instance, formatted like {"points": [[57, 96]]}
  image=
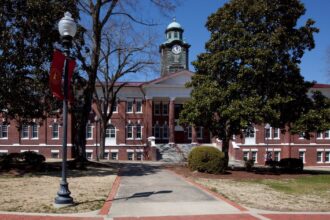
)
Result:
{"points": [[13, 160], [291, 164], [207, 159]]}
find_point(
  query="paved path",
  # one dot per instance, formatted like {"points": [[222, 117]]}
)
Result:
{"points": [[147, 190]]}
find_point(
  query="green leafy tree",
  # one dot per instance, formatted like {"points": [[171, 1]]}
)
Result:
{"points": [[28, 33], [250, 71]]}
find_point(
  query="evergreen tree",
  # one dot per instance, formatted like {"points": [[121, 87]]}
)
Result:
{"points": [[250, 71]]}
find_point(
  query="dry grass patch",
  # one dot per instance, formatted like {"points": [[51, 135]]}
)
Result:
{"points": [[311, 194], [36, 192]]}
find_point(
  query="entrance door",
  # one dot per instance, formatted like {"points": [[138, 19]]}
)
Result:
{"points": [[110, 136]]}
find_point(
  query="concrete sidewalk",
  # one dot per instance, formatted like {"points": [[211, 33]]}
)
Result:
{"points": [[148, 190]]}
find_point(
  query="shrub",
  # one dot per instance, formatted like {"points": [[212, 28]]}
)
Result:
{"points": [[291, 164], [32, 158], [249, 164], [206, 159]]}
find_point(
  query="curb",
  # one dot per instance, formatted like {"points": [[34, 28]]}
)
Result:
{"points": [[216, 195], [108, 203]]}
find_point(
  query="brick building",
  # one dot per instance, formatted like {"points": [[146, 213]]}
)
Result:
{"points": [[146, 109]]}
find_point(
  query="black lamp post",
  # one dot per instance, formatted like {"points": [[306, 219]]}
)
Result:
{"points": [[67, 28]]}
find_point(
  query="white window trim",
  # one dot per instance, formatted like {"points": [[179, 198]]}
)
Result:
{"points": [[92, 131], [28, 133], [201, 132], [136, 101], [326, 151], [254, 151], [189, 132], [304, 151], [58, 131], [279, 154], [140, 138], [327, 131], [130, 138], [303, 134], [129, 112], [278, 133], [165, 138], [270, 134], [321, 157], [35, 138], [319, 138], [5, 138]]}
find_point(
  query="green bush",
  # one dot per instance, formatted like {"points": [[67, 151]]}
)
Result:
{"points": [[14, 160], [207, 159], [291, 164], [32, 158], [249, 164]]}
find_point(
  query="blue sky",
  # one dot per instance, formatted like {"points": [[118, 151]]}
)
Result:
{"points": [[192, 15]]}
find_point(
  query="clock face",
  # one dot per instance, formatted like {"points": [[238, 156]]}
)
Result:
{"points": [[176, 49]]}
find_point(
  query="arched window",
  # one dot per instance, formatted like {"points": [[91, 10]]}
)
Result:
{"points": [[110, 131]]}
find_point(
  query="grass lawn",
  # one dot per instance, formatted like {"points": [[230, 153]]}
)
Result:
{"points": [[318, 184], [35, 192]]}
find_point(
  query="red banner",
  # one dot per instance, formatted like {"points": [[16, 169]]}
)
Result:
{"points": [[72, 65], [56, 71]]}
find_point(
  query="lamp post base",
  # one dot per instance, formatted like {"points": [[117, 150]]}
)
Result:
{"points": [[63, 198]]}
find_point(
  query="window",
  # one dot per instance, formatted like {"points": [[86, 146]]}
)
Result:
{"points": [[55, 131], [89, 131], [156, 109], [157, 131], [200, 132], [165, 109], [327, 157], [3, 153], [139, 156], [276, 133], [319, 157], [114, 107], [130, 155], [110, 132], [267, 133], [327, 134], [301, 135], [249, 132], [139, 106], [277, 155], [129, 107], [25, 131], [302, 156], [138, 131], [175, 34], [254, 155], [165, 131], [54, 155], [319, 135], [4, 131], [114, 156], [129, 131], [34, 131], [245, 155], [89, 155], [106, 155]]}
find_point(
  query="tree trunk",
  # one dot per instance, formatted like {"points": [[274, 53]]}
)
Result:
{"points": [[225, 150]]}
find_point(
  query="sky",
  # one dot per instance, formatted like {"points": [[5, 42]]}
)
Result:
{"points": [[315, 66]]}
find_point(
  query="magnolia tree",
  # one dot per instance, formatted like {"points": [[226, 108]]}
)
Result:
{"points": [[250, 71]]}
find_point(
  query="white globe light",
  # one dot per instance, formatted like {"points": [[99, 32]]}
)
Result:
{"points": [[67, 26]]}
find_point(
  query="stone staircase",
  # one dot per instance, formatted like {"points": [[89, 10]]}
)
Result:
{"points": [[176, 153]]}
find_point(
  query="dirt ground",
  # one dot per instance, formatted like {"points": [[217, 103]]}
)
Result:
{"points": [[243, 187], [36, 192]]}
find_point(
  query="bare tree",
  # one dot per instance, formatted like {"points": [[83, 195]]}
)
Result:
{"points": [[96, 49]]}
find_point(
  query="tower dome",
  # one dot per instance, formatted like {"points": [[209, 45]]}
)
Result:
{"points": [[174, 24]]}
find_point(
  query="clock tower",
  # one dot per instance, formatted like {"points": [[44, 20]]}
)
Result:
{"points": [[174, 51]]}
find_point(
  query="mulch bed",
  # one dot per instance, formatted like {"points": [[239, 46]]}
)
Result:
{"points": [[241, 174]]}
